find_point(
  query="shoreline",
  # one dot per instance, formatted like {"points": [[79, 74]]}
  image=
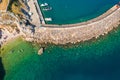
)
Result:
{"points": [[11, 39], [6, 37], [7, 32]]}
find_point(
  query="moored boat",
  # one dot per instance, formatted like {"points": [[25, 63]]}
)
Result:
{"points": [[48, 19], [47, 9], [43, 5]]}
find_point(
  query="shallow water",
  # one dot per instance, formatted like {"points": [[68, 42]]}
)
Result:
{"points": [[74, 11], [91, 60]]}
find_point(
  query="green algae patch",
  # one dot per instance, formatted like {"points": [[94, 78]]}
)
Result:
{"points": [[14, 54], [58, 62], [7, 47]]}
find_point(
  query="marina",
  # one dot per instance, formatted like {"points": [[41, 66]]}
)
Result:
{"points": [[69, 12], [47, 20], [107, 13]]}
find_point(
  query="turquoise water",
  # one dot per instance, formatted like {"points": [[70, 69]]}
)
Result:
{"points": [[97, 59], [92, 60], [74, 11]]}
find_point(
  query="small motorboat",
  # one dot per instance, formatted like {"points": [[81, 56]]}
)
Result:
{"points": [[48, 19], [43, 5], [47, 9]]}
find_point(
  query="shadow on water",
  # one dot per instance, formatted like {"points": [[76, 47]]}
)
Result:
{"points": [[2, 70]]}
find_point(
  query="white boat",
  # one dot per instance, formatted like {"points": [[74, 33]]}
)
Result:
{"points": [[47, 9], [46, 4], [43, 5], [48, 19]]}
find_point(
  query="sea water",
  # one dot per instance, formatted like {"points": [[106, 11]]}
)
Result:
{"points": [[75, 11], [97, 59]]}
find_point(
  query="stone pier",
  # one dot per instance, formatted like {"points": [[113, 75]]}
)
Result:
{"points": [[62, 34]]}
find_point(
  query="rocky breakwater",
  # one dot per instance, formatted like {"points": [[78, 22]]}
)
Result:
{"points": [[78, 32]]}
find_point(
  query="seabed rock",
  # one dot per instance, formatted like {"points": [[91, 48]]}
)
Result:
{"points": [[40, 51]]}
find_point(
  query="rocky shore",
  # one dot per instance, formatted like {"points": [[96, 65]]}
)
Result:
{"points": [[9, 27]]}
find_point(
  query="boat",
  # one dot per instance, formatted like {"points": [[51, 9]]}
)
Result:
{"points": [[43, 5], [48, 19], [47, 9]]}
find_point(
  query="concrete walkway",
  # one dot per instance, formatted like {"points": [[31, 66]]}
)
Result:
{"points": [[35, 17]]}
